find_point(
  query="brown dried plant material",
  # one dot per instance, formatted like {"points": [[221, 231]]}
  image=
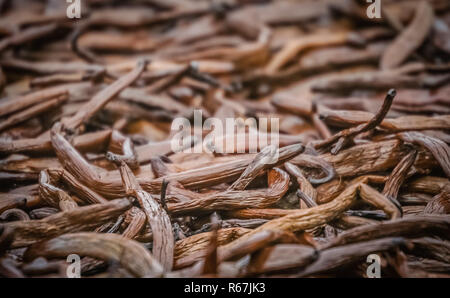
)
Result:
{"points": [[427, 184], [261, 161], [307, 218], [339, 140], [393, 210], [127, 149], [194, 248], [79, 219], [2, 79], [439, 204], [130, 254], [255, 243], [315, 40], [53, 195], [85, 122], [438, 148], [31, 112], [408, 227], [27, 35], [304, 184], [371, 158], [210, 263], [102, 98], [9, 201], [136, 219], [91, 142], [109, 184], [16, 104], [271, 259], [334, 258], [315, 162], [343, 118], [157, 217], [410, 39], [278, 182], [398, 176]]}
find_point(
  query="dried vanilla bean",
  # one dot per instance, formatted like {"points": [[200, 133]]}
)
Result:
{"points": [[439, 149], [95, 141], [128, 152], [31, 112], [85, 193], [308, 218], [261, 161], [9, 201], [341, 139], [2, 79], [411, 38], [102, 98], [335, 257], [26, 36], [53, 195], [310, 161], [398, 176], [17, 214], [130, 254], [393, 210], [15, 104], [87, 129], [192, 249], [305, 187], [278, 181], [82, 218], [408, 227], [136, 219]]}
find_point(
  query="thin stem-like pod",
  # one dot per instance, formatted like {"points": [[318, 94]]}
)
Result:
{"points": [[411, 38], [102, 98], [10, 201], [16, 214], [315, 162], [157, 217], [130, 254], [53, 195], [194, 248], [340, 139], [439, 149], [304, 219]]}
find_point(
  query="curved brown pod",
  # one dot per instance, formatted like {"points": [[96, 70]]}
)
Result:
{"points": [[130, 254]]}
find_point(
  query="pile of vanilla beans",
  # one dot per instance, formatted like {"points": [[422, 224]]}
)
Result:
{"points": [[87, 167]]}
